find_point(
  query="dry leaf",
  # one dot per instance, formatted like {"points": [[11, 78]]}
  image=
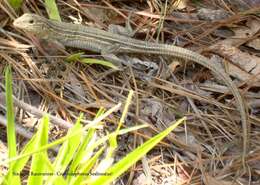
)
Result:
{"points": [[243, 66], [140, 180], [180, 4], [103, 14], [173, 66], [247, 31], [211, 15], [254, 44], [240, 65]]}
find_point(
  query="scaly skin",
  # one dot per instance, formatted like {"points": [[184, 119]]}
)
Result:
{"points": [[97, 40]]}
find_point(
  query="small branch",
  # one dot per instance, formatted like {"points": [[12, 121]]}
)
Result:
{"points": [[36, 112], [19, 129]]}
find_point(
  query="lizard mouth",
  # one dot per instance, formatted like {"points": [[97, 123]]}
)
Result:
{"points": [[17, 23], [23, 22]]}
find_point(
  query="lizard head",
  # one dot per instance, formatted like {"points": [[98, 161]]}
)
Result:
{"points": [[31, 23]]}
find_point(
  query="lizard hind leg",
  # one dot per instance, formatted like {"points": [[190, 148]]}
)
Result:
{"points": [[111, 49], [115, 60], [109, 54], [121, 30]]}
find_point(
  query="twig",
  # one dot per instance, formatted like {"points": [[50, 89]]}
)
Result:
{"points": [[36, 112], [19, 129]]}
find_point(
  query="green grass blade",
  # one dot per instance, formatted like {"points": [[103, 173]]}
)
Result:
{"points": [[61, 140], [52, 10], [11, 138], [120, 167], [16, 4], [78, 57], [69, 147], [82, 151], [109, 159], [74, 57], [87, 167], [58, 178], [37, 166], [100, 62], [19, 164], [113, 141], [67, 150]]}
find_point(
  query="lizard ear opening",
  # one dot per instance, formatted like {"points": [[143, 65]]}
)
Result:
{"points": [[31, 21]]}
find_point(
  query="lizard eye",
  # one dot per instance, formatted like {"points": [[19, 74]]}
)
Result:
{"points": [[31, 21]]}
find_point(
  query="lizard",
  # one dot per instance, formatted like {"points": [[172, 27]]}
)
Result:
{"points": [[105, 42]]}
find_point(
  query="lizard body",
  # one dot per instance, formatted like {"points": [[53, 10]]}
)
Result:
{"points": [[101, 41]]}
